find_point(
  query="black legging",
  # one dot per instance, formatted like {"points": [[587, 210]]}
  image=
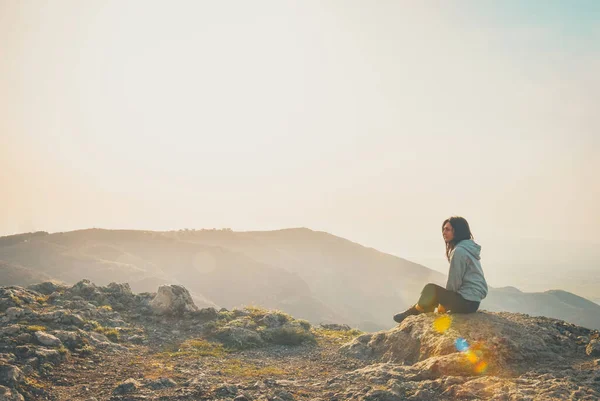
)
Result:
{"points": [[433, 294]]}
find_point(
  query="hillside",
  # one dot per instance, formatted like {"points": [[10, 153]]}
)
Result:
{"points": [[88, 342], [553, 303]]}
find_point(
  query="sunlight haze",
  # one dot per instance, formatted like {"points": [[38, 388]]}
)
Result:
{"points": [[373, 121]]}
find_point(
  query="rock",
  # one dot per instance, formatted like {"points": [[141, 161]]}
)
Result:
{"points": [[10, 375], [286, 383], [15, 296], [206, 314], [54, 296], [6, 394], [70, 339], [172, 300], [382, 395], [583, 340], [64, 317], [226, 390], [7, 358], [128, 386], [79, 305], [505, 339], [284, 395], [241, 397], [24, 338], [47, 339], [136, 339], [14, 313], [84, 289], [274, 319], [99, 340], [11, 330], [49, 355], [161, 383], [119, 288], [47, 287], [593, 348], [455, 364]]}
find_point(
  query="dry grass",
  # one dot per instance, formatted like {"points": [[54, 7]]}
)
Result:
{"points": [[41, 299], [194, 348], [336, 336], [240, 369], [34, 328]]}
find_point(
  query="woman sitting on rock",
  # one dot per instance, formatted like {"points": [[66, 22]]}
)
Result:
{"points": [[466, 285]]}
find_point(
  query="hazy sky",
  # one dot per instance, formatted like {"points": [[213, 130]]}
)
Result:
{"points": [[370, 120]]}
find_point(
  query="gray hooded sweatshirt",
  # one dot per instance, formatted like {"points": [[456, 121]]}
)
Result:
{"points": [[465, 275]]}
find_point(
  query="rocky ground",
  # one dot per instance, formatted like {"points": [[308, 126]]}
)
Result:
{"points": [[105, 343]]}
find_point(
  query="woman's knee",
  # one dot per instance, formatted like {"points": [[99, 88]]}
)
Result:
{"points": [[429, 288]]}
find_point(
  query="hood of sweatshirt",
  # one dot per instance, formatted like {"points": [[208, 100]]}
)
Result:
{"points": [[471, 246]]}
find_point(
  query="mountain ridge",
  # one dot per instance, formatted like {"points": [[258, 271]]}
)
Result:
{"points": [[312, 274]]}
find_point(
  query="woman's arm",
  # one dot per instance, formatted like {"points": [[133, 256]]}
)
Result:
{"points": [[458, 266]]}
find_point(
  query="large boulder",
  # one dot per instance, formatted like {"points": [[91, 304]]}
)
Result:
{"points": [[504, 340], [495, 356], [172, 300]]}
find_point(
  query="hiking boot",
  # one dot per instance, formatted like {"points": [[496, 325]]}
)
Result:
{"points": [[409, 312]]}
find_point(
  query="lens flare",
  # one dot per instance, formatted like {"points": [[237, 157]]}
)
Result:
{"points": [[442, 323], [481, 367], [461, 344], [472, 357]]}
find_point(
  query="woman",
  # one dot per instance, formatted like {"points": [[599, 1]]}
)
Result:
{"points": [[466, 285]]}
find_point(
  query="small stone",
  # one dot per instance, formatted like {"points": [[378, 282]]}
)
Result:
{"points": [[11, 330], [226, 390], [24, 338], [13, 313], [128, 386], [593, 348], [10, 375], [284, 395], [47, 339], [161, 383], [6, 394]]}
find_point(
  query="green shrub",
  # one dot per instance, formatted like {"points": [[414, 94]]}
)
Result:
{"points": [[288, 335]]}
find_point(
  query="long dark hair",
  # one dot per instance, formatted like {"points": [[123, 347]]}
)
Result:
{"points": [[461, 232]]}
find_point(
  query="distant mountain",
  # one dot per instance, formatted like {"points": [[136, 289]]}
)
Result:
{"points": [[553, 303], [313, 275], [18, 275]]}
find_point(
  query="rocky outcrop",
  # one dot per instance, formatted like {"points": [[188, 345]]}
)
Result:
{"points": [[173, 300], [87, 337], [484, 355]]}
